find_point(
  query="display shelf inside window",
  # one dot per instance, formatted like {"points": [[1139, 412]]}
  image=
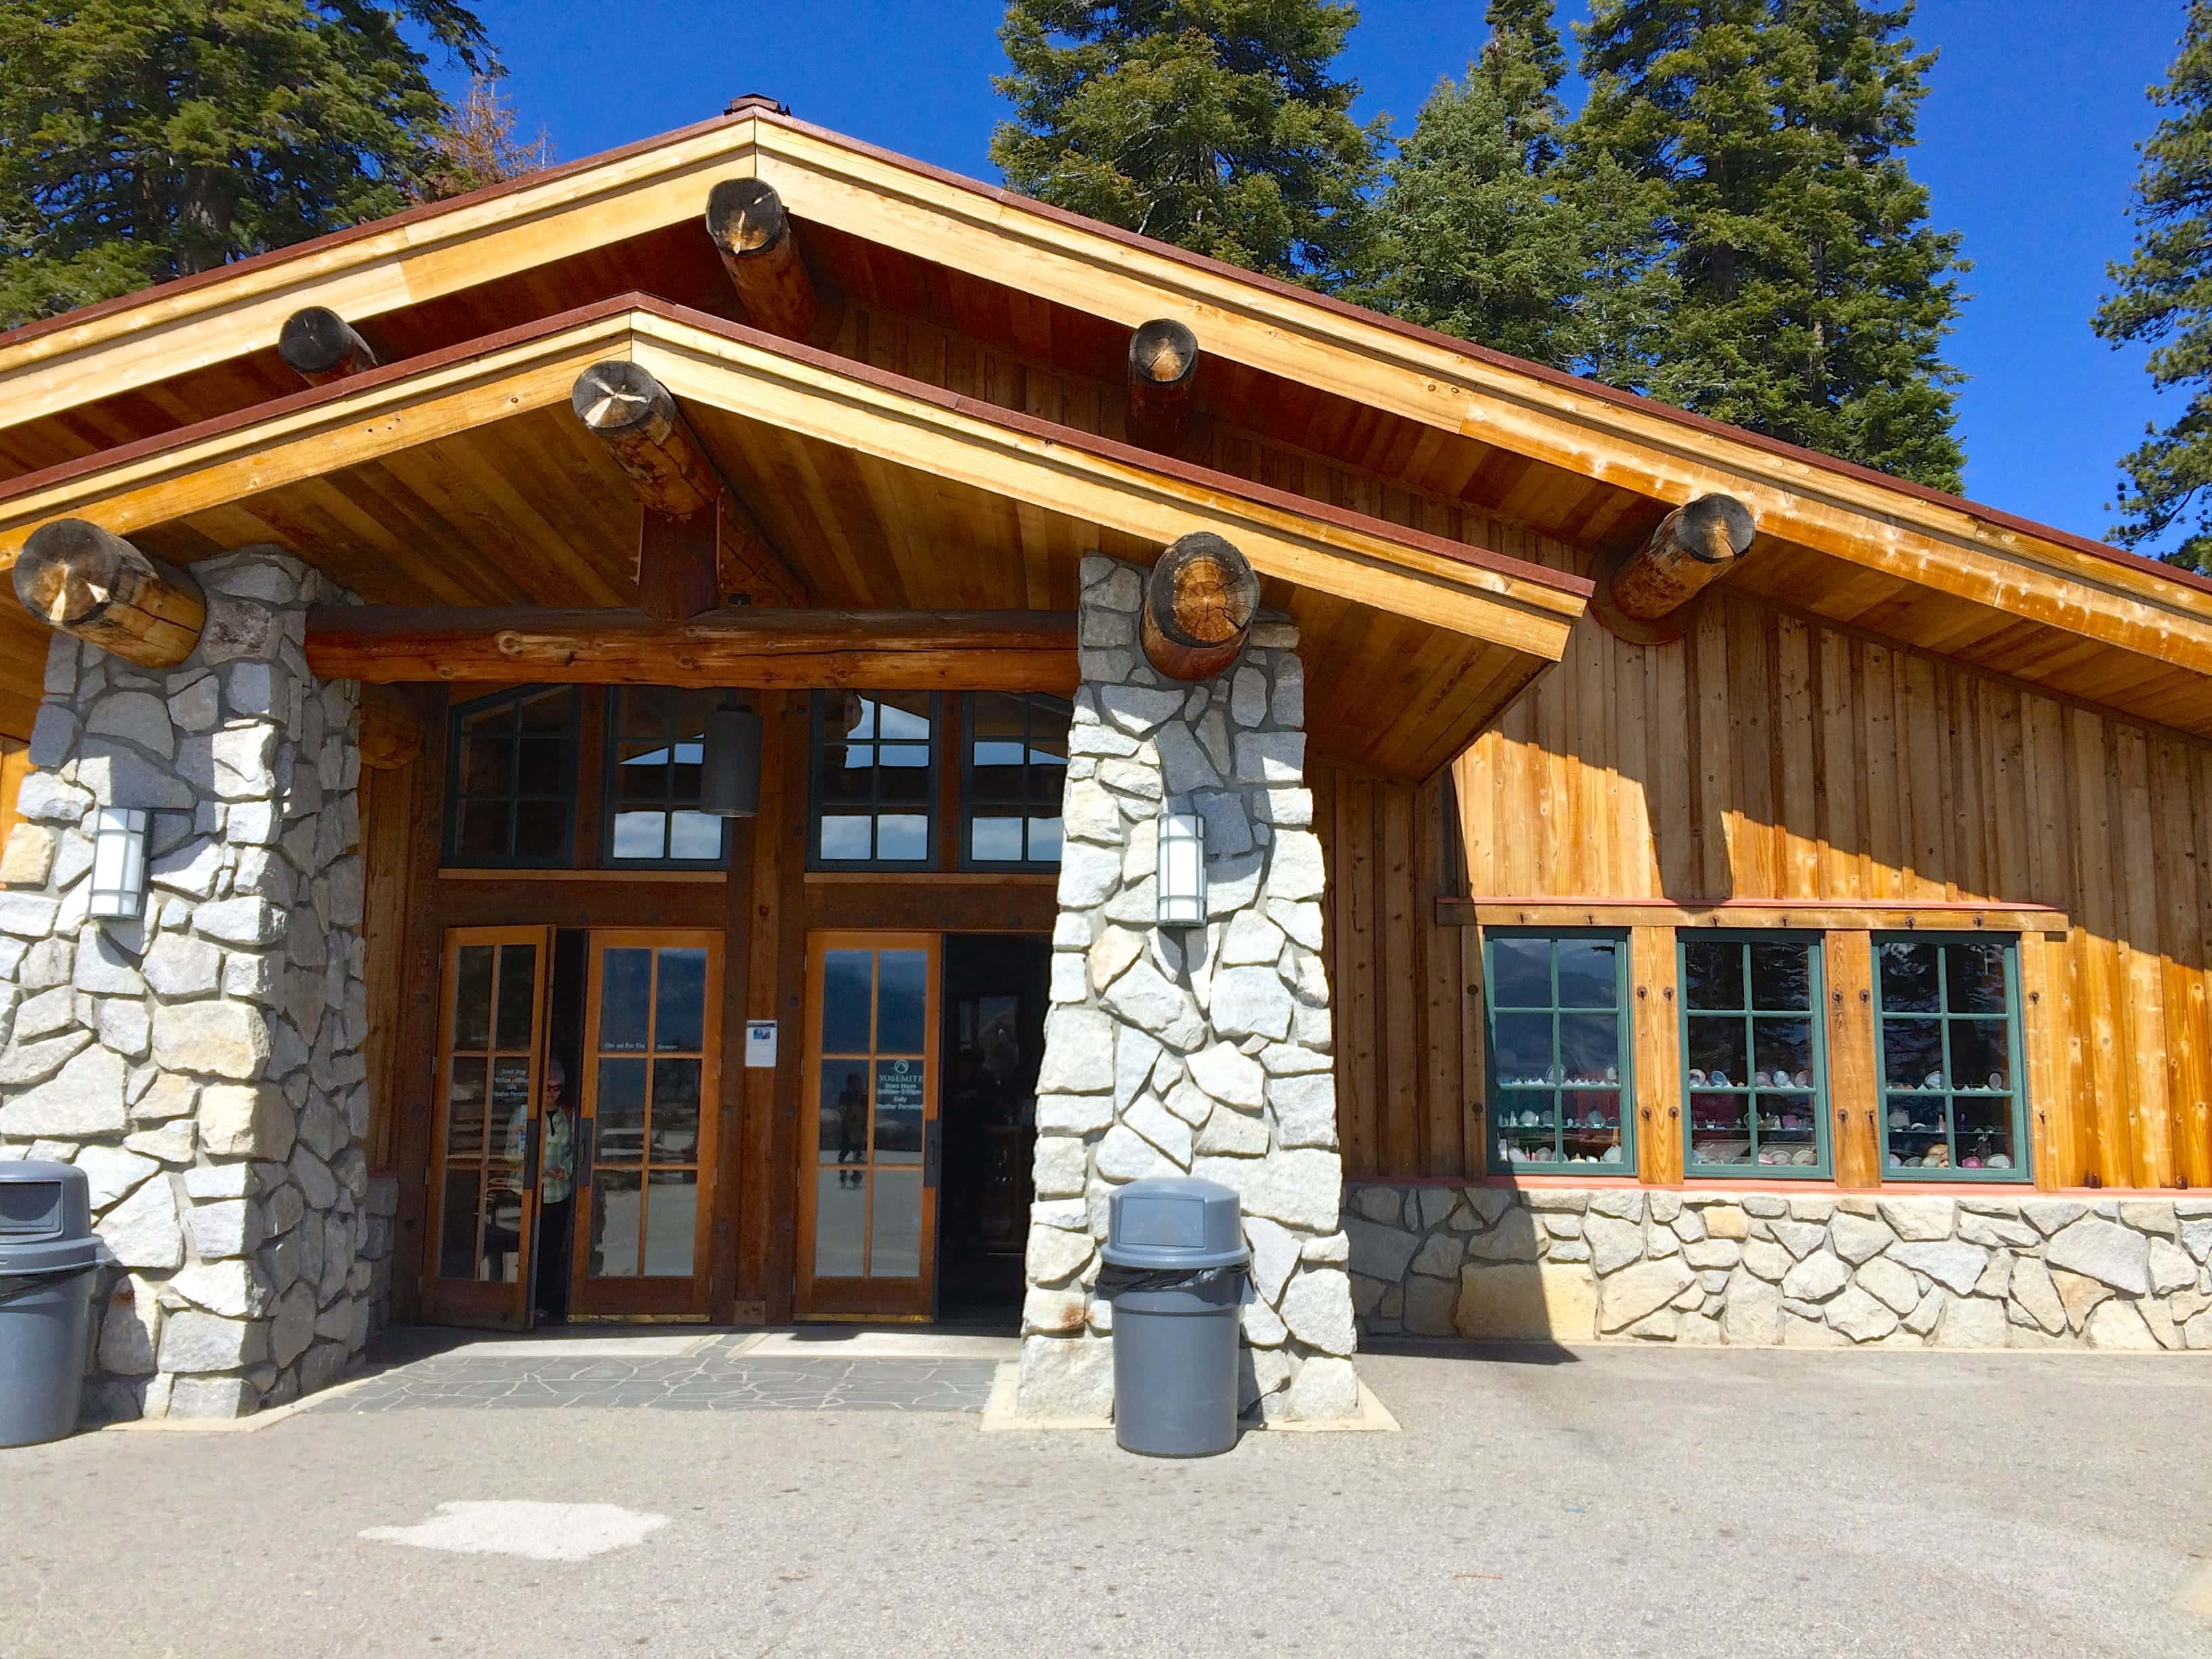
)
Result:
{"points": [[1949, 1049], [1753, 1062], [1558, 1067]]}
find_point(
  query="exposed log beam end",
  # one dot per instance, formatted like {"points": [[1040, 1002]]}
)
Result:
{"points": [[1644, 596], [1199, 602], [746, 221], [697, 545], [318, 345], [745, 649], [390, 730], [1163, 369], [79, 579]]}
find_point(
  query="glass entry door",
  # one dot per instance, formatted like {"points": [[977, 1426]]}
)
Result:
{"points": [[645, 1139], [867, 1244], [490, 1081]]}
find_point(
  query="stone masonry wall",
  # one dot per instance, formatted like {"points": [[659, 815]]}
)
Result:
{"points": [[203, 1063], [1977, 1271], [1203, 1050]]}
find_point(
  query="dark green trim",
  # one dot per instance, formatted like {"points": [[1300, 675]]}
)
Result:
{"points": [[1814, 1014], [1050, 801], [456, 716], [1623, 1090], [816, 740], [1943, 1018], [610, 803]]}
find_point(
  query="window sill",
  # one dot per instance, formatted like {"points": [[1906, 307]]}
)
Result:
{"points": [[647, 873], [933, 877]]}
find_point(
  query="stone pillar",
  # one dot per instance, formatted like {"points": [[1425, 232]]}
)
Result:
{"points": [[201, 1064], [1204, 1050]]}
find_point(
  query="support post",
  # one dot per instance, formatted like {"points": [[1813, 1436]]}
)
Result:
{"points": [[745, 218], [1199, 601], [318, 345], [697, 545], [1162, 367], [83, 580]]}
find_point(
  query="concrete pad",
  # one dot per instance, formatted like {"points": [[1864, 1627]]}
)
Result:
{"points": [[1001, 1415], [838, 1342]]}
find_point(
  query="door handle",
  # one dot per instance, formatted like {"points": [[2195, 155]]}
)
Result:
{"points": [[587, 1134], [932, 1153]]}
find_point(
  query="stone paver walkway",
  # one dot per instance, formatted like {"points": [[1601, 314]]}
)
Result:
{"points": [[718, 1373]]}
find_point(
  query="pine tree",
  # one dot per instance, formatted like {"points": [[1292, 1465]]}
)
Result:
{"points": [[1213, 124], [1808, 295], [2165, 301], [1470, 236], [144, 139]]}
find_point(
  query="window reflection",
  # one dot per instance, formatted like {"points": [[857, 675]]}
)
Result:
{"points": [[874, 773]]}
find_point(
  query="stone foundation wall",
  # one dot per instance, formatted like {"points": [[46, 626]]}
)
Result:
{"points": [[1205, 1050], [1976, 1270], [201, 1063]]}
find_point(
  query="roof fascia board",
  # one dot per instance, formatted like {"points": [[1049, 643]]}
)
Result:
{"points": [[140, 340], [364, 418]]}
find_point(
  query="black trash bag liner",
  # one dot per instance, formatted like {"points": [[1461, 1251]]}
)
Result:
{"points": [[1113, 1279]]}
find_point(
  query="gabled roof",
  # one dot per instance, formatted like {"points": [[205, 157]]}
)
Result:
{"points": [[1567, 455], [453, 478]]}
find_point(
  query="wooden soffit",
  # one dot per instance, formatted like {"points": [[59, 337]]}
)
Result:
{"points": [[1459, 629], [1856, 523]]}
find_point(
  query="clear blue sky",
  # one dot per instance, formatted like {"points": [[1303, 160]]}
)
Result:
{"points": [[2027, 143]]}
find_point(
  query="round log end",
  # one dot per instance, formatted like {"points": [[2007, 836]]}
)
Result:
{"points": [[746, 217], [1716, 529], [316, 341], [1162, 352], [1199, 602], [617, 397], [69, 570]]}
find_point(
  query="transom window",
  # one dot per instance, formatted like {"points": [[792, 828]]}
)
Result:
{"points": [[1753, 1057], [1015, 772], [875, 778], [655, 745], [511, 779], [1559, 1070], [1949, 1040]]}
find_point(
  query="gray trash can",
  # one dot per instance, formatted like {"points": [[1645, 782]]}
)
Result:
{"points": [[48, 1261], [1176, 1269]]}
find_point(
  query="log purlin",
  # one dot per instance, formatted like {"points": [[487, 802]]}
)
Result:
{"points": [[763, 650]]}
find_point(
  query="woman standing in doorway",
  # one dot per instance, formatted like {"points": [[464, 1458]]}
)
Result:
{"points": [[556, 1170]]}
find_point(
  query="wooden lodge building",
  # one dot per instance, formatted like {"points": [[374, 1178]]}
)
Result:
{"points": [[739, 730]]}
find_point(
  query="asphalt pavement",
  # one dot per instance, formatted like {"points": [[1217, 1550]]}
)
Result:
{"points": [[1606, 1501]]}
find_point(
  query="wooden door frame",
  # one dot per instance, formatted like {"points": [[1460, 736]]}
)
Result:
{"points": [[669, 1298], [863, 1299], [502, 1304]]}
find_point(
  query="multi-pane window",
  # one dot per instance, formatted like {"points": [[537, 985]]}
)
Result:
{"points": [[1948, 1041], [1558, 1067], [511, 784], [875, 778], [1016, 769], [655, 743], [1752, 1056]]}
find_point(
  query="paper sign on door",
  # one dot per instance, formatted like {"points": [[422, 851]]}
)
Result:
{"points": [[760, 1043]]}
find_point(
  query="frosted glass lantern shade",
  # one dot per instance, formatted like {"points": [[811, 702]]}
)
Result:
{"points": [[119, 862], [1180, 889]]}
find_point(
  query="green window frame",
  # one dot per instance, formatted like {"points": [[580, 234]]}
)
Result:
{"points": [[1013, 775], [649, 794], [1754, 1055], [1559, 1051], [1948, 1052], [872, 773], [511, 766]]}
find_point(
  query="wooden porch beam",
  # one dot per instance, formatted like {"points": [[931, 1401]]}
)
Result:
{"points": [[698, 547], [746, 221], [74, 576], [744, 649], [1200, 601], [1163, 369], [392, 731], [318, 345], [1643, 596]]}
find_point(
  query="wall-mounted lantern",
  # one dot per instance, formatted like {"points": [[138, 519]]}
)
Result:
{"points": [[729, 762], [1180, 888], [119, 863]]}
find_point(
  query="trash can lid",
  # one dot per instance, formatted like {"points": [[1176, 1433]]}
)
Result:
{"points": [[49, 1260], [46, 1220], [1174, 1221]]}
